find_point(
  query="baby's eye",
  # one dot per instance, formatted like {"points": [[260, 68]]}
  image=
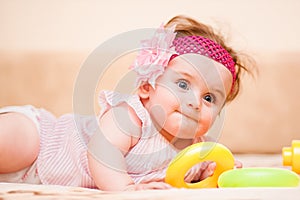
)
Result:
{"points": [[183, 84], [209, 98]]}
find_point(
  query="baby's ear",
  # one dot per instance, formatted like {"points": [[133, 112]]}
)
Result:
{"points": [[144, 90]]}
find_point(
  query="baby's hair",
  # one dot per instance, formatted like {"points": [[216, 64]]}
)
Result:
{"points": [[186, 26]]}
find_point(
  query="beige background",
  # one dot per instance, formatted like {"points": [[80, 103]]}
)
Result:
{"points": [[44, 43]]}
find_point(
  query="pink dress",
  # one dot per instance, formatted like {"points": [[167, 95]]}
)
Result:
{"points": [[63, 151]]}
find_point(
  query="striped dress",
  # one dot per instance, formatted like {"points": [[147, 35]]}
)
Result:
{"points": [[64, 140]]}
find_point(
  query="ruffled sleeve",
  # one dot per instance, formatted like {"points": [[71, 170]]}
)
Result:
{"points": [[108, 99]]}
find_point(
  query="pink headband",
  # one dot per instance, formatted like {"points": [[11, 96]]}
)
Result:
{"points": [[206, 47], [156, 53]]}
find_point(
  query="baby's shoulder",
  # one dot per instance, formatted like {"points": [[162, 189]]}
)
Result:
{"points": [[127, 115], [123, 120]]}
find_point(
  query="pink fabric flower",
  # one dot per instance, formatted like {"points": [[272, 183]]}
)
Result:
{"points": [[154, 56]]}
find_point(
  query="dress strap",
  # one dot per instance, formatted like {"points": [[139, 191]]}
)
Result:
{"points": [[108, 99]]}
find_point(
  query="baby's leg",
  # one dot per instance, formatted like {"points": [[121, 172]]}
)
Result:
{"points": [[19, 142]]}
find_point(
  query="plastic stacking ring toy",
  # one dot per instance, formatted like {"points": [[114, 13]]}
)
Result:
{"points": [[259, 177], [194, 154], [291, 156]]}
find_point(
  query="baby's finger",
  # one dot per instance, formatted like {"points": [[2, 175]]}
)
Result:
{"points": [[153, 186], [209, 171], [160, 185], [204, 165], [238, 164]]}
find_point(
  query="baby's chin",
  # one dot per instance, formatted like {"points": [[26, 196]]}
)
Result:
{"points": [[191, 131], [182, 127], [188, 134]]}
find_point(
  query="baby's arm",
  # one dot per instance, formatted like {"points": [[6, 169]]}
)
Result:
{"points": [[120, 131]]}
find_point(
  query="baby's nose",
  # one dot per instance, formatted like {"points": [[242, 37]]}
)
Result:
{"points": [[195, 103]]}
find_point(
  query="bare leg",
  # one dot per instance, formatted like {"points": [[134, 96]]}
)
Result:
{"points": [[19, 142]]}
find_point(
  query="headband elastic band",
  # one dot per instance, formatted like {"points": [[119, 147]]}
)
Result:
{"points": [[206, 47]]}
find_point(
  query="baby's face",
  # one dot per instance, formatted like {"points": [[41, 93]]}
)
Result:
{"points": [[189, 95]]}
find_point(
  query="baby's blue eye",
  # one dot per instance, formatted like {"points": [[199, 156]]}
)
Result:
{"points": [[209, 98], [183, 84]]}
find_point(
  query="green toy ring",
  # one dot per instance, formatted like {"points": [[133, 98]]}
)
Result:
{"points": [[258, 177]]}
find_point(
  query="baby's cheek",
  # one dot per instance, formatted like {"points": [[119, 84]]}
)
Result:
{"points": [[174, 124], [202, 130], [158, 115], [205, 124]]}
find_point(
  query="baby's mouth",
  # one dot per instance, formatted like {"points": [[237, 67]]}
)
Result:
{"points": [[189, 116]]}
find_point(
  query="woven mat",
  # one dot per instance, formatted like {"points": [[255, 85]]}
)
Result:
{"points": [[43, 192]]}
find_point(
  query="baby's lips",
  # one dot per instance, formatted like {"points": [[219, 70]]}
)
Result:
{"points": [[192, 116]]}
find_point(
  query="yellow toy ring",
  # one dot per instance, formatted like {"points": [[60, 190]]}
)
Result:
{"points": [[196, 153]]}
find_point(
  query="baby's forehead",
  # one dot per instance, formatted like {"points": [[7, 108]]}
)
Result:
{"points": [[199, 68], [196, 63]]}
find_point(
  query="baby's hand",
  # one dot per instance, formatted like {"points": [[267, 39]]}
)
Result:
{"points": [[204, 170], [207, 169], [238, 164], [148, 186]]}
